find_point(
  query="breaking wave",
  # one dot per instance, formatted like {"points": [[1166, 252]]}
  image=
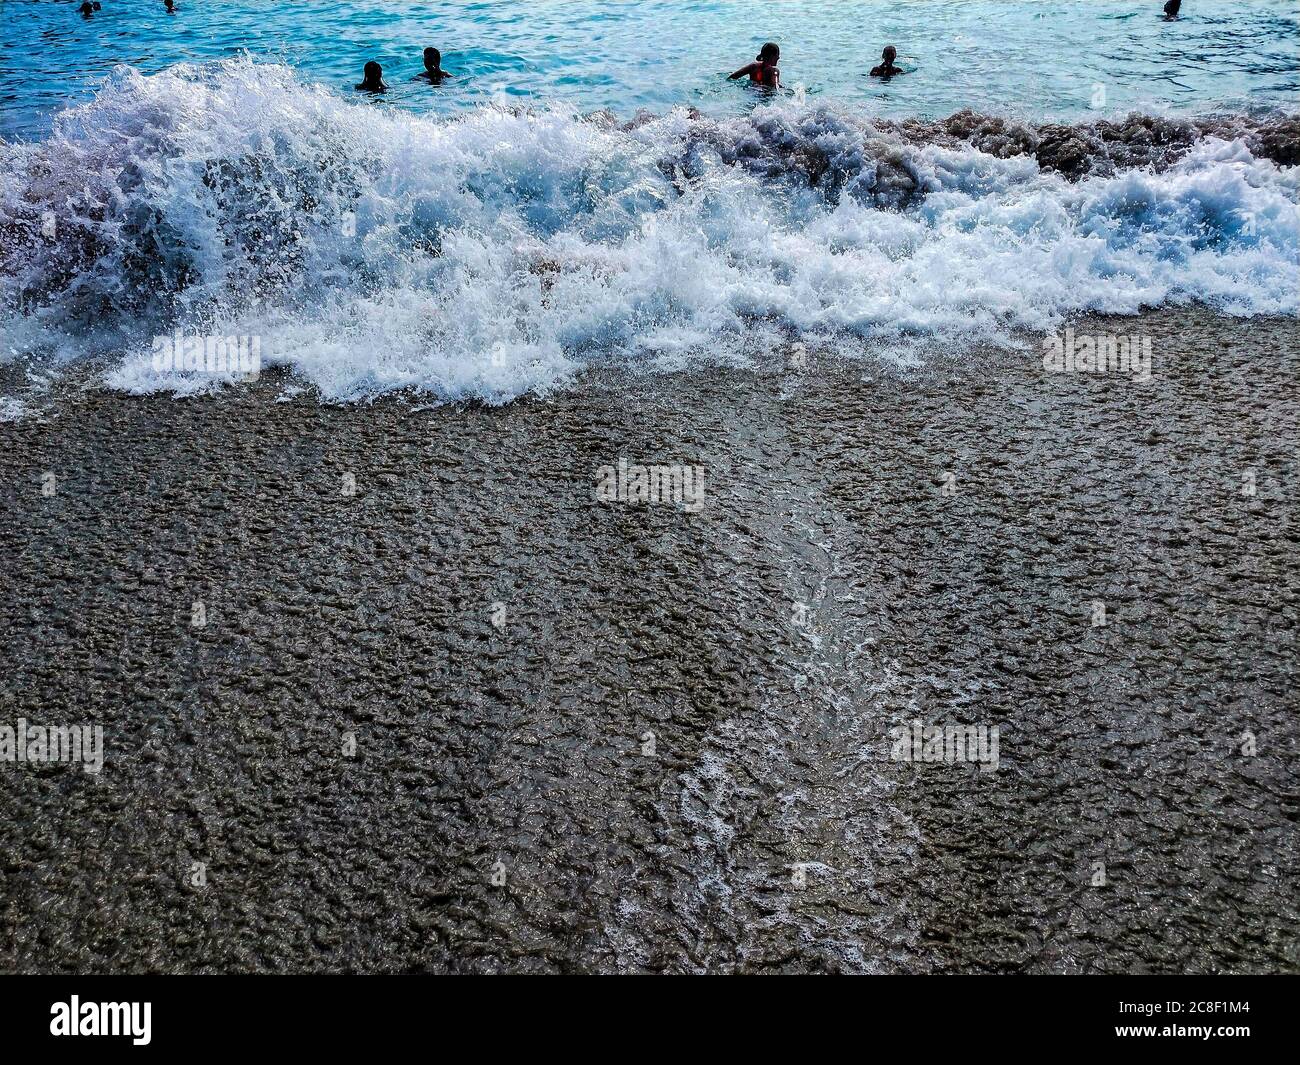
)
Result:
{"points": [[504, 251]]}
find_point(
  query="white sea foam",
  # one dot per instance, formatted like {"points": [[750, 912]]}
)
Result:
{"points": [[500, 252], [13, 409]]}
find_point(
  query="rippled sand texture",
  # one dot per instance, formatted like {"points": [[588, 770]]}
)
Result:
{"points": [[515, 755]]}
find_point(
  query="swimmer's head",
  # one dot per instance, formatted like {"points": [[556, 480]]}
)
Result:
{"points": [[1171, 8], [432, 59], [769, 53], [889, 54]]}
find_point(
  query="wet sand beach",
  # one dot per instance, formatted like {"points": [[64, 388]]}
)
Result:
{"points": [[469, 718]]}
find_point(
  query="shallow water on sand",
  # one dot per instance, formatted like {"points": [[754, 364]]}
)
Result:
{"points": [[671, 751]]}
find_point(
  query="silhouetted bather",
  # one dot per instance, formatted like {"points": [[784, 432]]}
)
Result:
{"points": [[1171, 9], [764, 70], [433, 71], [373, 80], [887, 68]]}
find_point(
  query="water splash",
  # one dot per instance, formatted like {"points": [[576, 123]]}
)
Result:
{"points": [[504, 251]]}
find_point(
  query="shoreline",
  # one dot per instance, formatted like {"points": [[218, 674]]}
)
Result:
{"points": [[498, 644]]}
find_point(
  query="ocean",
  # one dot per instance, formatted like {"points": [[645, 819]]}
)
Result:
{"points": [[1029, 59], [590, 190]]}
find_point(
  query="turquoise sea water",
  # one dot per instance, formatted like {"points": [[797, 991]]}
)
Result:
{"points": [[1027, 58]]}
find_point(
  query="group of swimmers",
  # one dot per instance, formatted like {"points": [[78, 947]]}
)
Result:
{"points": [[763, 71], [372, 77]]}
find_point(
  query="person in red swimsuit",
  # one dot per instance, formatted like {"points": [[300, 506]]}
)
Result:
{"points": [[763, 71]]}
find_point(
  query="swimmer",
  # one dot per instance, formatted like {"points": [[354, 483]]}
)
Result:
{"points": [[763, 71], [87, 9], [887, 68], [171, 7], [1171, 9], [433, 72], [374, 79]]}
